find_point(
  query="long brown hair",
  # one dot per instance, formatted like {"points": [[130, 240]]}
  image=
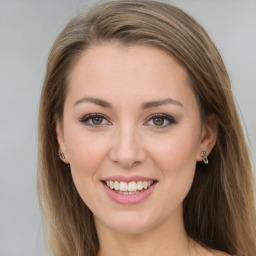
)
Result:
{"points": [[219, 211]]}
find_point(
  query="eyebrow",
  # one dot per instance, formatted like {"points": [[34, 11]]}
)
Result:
{"points": [[158, 103], [96, 101], [145, 105]]}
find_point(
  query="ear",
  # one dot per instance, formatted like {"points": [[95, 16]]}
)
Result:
{"points": [[61, 142], [209, 136]]}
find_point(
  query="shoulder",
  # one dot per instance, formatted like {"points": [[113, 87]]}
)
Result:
{"points": [[219, 253], [203, 251]]}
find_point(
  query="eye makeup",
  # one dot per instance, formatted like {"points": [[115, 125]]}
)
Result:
{"points": [[156, 120], [160, 120], [95, 120]]}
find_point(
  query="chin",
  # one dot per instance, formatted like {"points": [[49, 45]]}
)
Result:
{"points": [[130, 228], [127, 222]]}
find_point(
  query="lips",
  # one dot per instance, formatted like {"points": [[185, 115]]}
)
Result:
{"points": [[128, 190], [132, 186]]}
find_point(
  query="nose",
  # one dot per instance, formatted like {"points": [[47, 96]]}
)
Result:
{"points": [[127, 148]]}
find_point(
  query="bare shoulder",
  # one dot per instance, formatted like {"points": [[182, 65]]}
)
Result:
{"points": [[203, 251], [219, 253]]}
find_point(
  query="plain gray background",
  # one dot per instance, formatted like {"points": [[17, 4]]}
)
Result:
{"points": [[27, 31]]}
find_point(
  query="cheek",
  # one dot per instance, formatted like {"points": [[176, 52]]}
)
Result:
{"points": [[86, 155], [176, 160], [178, 150], [85, 150]]}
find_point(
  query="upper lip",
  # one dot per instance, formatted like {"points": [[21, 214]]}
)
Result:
{"points": [[128, 179]]}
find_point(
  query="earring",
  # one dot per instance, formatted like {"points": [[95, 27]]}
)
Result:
{"points": [[204, 156], [61, 155]]}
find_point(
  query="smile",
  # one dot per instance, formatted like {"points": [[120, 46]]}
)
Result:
{"points": [[129, 188]]}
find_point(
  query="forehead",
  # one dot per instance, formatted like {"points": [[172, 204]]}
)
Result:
{"points": [[120, 72], [111, 56]]}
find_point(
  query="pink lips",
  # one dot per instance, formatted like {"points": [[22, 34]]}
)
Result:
{"points": [[132, 198], [127, 179]]}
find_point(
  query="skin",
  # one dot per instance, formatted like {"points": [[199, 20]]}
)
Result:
{"points": [[128, 142]]}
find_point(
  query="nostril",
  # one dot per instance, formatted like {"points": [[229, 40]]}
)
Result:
{"points": [[127, 153], [126, 164]]}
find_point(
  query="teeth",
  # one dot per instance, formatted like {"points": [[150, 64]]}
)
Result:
{"points": [[112, 184], [132, 186], [123, 186], [139, 185], [126, 188], [145, 184], [116, 185], [127, 193]]}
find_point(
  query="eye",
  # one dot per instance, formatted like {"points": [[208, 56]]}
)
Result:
{"points": [[94, 120], [160, 120]]}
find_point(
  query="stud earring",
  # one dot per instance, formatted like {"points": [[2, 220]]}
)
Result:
{"points": [[204, 156], [61, 155]]}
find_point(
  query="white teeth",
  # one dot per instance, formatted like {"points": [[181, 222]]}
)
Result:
{"points": [[123, 186], [145, 184], [112, 184], [116, 185], [139, 185], [130, 187]]}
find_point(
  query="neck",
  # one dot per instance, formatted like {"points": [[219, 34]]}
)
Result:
{"points": [[167, 239]]}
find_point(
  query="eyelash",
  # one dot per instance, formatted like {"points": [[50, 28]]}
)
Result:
{"points": [[85, 120], [165, 117]]}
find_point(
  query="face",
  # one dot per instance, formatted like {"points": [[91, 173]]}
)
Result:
{"points": [[132, 135]]}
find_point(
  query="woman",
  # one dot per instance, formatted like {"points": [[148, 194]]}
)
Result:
{"points": [[140, 145]]}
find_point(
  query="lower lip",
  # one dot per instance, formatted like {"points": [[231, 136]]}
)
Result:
{"points": [[129, 199]]}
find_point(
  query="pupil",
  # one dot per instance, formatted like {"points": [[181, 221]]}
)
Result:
{"points": [[158, 121], [97, 120]]}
